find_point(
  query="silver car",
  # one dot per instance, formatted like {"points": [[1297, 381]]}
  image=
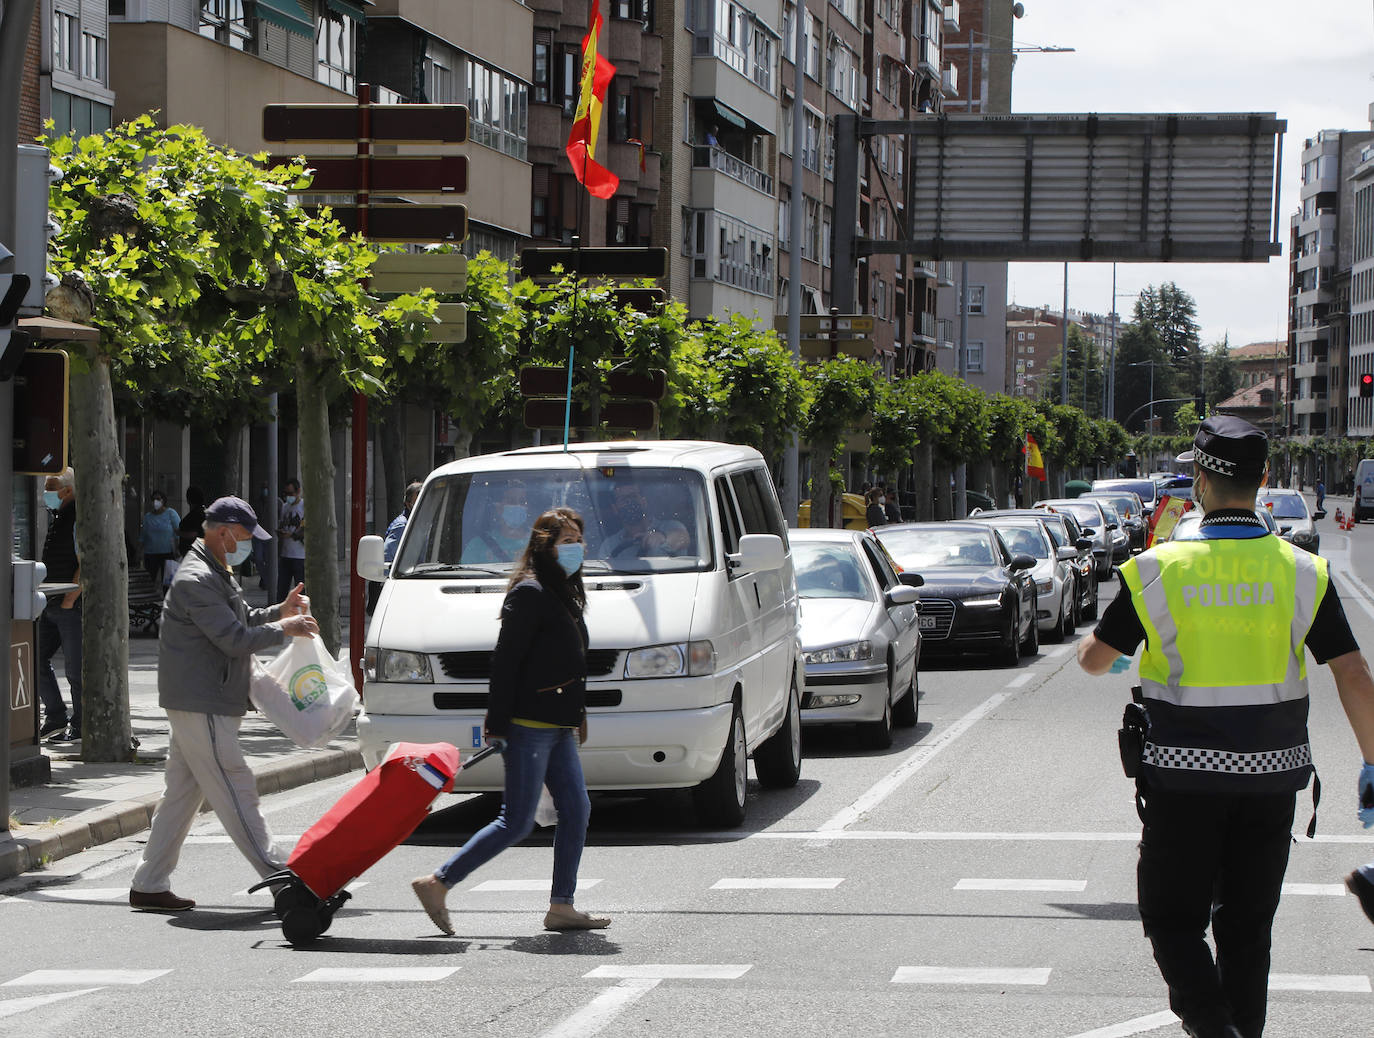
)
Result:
{"points": [[860, 639], [1093, 518], [1290, 511], [1053, 572]]}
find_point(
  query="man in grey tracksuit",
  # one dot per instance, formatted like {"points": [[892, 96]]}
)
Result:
{"points": [[205, 646]]}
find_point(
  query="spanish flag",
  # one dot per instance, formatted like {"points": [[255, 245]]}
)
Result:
{"points": [[597, 74], [1035, 463]]}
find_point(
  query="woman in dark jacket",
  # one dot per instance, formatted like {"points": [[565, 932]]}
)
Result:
{"points": [[536, 714]]}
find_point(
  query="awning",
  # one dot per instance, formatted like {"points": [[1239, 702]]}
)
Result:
{"points": [[731, 116], [291, 15], [349, 8]]}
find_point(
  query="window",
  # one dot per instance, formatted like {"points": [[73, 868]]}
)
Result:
{"points": [[730, 251], [811, 229], [973, 358], [498, 109], [633, 11], [225, 21], [64, 41], [811, 154], [336, 52], [729, 518], [848, 8], [785, 137], [543, 66], [441, 85], [1020, 336], [569, 62], [92, 57], [974, 299], [813, 47]]}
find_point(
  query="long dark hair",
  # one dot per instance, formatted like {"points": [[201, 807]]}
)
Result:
{"points": [[540, 560]]}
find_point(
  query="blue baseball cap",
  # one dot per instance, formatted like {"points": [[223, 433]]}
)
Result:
{"points": [[236, 510]]}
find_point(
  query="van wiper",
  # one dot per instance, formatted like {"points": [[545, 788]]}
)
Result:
{"points": [[452, 567]]}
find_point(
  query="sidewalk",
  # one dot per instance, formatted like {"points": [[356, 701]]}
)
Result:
{"points": [[89, 804]]}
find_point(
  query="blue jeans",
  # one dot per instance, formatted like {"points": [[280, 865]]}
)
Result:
{"points": [[534, 757], [60, 628]]}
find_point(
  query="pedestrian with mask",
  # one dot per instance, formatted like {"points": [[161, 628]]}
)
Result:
{"points": [[1223, 747], [206, 643], [60, 625], [392, 541], [536, 714], [158, 537], [290, 539]]}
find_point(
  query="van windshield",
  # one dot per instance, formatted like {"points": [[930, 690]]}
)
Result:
{"points": [[638, 520]]}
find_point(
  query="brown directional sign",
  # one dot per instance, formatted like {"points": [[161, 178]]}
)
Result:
{"points": [[618, 414], [610, 262], [833, 347], [645, 300], [439, 174], [413, 124], [417, 223], [820, 325], [650, 385]]}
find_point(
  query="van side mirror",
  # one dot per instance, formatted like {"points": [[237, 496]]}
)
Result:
{"points": [[371, 553], [912, 579], [758, 553]]}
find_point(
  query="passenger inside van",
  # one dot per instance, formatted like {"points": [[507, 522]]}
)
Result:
{"points": [[507, 529], [641, 534]]}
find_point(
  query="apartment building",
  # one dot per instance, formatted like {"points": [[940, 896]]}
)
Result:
{"points": [[1355, 276], [1261, 368], [979, 59], [1032, 346]]}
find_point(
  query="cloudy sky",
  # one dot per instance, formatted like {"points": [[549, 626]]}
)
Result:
{"points": [[1311, 63]]}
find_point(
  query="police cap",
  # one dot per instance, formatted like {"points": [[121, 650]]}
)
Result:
{"points": [[1229, 446]]}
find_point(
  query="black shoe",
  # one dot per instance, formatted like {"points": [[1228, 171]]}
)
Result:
{"points": [[1360, 885], [51, 726], [69, 735]]}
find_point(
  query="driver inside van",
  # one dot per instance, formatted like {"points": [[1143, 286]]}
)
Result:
{"points": [[639, 534], [506, 538]]}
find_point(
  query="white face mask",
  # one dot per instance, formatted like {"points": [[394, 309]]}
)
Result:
{"points": [[157, 506], [240, 552]]}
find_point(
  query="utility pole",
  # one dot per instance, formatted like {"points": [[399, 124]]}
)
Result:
{"points": [[961, 473], [1064, 344], [791, 459], [16, 18]]}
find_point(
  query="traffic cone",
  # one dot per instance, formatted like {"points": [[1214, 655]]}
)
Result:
{"points": [[1340, 519]]}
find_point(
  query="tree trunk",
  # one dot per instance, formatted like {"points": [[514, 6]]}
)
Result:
{"points": [[106, 736], [462, 444], [391, 448], [821, 497], [317, 485], [925, 483], [231, 460]]}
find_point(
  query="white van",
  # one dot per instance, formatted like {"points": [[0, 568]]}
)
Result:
{"points": [[694, 661], [1363, 508]]}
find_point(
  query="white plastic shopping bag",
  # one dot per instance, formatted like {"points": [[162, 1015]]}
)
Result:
{"points": [[305, 692], [545, 814]]}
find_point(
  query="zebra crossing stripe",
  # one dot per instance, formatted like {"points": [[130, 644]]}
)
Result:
{"points": [[493, 886], [670, 971], [84, 978], [1126, 1028], [1034, 977], [376, 974], [15, 1006], [1056, 886], [1314, 889], [85, 894], [775, 883], [1356, 984], [597, 1014]]}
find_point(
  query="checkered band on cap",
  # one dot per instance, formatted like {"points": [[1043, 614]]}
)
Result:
{"points": [[1193, 758], [1211, 461]]}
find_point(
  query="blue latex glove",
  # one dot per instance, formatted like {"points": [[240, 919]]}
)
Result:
{"points": [[1121, 664], [1366, 793], [499, 741]]}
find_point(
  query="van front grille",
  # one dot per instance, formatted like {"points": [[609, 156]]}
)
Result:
{"points": [[476, 665], [598, 697]]}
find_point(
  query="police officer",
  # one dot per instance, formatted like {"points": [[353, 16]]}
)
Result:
{"points": [[1224, 618]]}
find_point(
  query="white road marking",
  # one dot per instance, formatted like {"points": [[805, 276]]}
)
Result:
{"points": [[953, 837], [1059, 650], [120, 894], [1315, 889], [84, 978], [599, 1012], [212, 839], [15, 1006], [1063, 886], [775, 883], [1031, 976], [1356, 984], [918, 758], [1126, 1028], [277, 802], [493, 886], [1363, 594], [376, 974], [670, 971], [1021, 679]]}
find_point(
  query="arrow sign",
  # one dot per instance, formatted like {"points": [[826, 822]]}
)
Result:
{"points": [[409, 124], [400, 175], [610, 263], [618, 414], [417, 223], [395, 272]]}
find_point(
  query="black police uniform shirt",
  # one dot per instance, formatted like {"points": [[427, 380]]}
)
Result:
{"points": [[1328, 637]]}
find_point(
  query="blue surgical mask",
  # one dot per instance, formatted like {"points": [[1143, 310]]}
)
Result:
{"points": [[240, 552], [51, 500], [515, 515], [290, 499], [570, 556]]}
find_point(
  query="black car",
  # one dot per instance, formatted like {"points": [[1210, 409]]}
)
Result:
{"points": [[976, 596], [1065, 532]]}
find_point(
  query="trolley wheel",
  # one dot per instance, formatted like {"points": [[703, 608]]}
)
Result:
{"points": [[303, 923]]}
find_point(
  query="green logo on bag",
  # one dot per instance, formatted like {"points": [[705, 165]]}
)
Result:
{"points": [[307, 685]]}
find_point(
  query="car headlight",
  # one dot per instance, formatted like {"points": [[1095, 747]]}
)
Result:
{"points": [[850, 653], [975, 603], [691, 659], [1045, 587], [1303, 537], [395, 665]]}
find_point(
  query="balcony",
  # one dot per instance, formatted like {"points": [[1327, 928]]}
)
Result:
{"points": [[1310, 405], [951, 15], [926, 328], [924, 269], [946, 268], [705, 156], [949, 81], [1316, 368]]}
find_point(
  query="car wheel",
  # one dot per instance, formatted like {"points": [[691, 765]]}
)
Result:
{"points": [[1066, 613], [1061, 622], [1010, 652], [1091, 613], [1031, 645], [907, 710], [778, 760], [720, 799], [877, 735]]}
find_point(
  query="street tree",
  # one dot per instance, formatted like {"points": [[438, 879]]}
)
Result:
{"points": [[841, 395], [1172, 313], [1138, 347], [1219, 378], [1085, 374]]}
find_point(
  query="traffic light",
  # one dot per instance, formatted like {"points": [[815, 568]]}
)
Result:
{"points": [[1367, 384]]}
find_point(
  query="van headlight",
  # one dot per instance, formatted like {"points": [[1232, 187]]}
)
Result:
{"points": [[852, 652], [395, 665], [681, 659]]}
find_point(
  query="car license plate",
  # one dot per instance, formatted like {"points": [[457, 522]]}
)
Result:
{"points": [[925, 623]]}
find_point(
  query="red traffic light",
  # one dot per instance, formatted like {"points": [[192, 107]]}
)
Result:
{"points": [[1367, 385], [1367, 380]]}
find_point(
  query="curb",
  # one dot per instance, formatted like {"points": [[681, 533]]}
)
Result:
{"points": [[114, 821]]}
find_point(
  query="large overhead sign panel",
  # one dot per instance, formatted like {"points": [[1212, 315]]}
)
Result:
{"points": [[1088, 187]]}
